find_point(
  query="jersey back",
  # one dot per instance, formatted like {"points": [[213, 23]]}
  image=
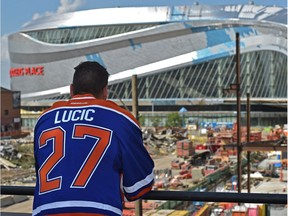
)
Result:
{"points": [[88, 154]]}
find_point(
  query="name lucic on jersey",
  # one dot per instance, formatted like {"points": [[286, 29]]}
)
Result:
{"points": [[74, 115]]}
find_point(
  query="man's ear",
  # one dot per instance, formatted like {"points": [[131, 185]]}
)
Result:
{"points": [[71, 90]]}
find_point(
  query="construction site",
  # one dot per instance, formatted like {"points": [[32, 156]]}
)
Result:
{"points": [[186, 159]]}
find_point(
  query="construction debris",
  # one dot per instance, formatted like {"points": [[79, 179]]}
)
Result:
{"points": [[6, 164]]}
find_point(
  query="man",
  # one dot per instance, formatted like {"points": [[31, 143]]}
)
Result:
{"points": [[89, 152]]}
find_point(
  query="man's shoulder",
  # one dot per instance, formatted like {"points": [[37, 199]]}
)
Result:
{"points": [[116, 108], [56, 104]]}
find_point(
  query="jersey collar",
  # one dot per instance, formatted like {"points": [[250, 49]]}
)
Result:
{"points": [[83, 96]]}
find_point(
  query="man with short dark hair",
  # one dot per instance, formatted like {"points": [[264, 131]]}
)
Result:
{"points": [[86, 80], [89, 152]]}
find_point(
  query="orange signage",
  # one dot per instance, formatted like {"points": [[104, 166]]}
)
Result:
{"points": [[27, 71]]}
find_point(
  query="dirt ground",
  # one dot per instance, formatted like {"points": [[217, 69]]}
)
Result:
{"points": [[9, 177]]}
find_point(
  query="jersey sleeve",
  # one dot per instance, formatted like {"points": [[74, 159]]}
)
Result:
{"points": [[138, 167]]}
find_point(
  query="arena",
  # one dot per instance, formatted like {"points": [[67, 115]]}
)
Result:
{"points": [[183, 56]]}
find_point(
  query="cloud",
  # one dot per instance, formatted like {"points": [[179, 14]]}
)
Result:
{"points": [[37, 15], [68, 6], [64, 7]]}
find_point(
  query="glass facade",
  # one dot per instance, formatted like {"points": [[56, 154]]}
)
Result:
{"points": [[78, 34], [257, 119], [263, 75]]}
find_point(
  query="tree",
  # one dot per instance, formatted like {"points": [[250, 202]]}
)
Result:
{"points": [[155, 121], [141, 120], [174, 120]]}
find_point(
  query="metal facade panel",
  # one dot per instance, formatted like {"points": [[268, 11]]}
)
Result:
{"points": [[183, 37]]}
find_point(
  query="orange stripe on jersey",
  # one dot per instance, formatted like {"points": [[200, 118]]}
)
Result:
{"points": [[144, 191], [89, 99]]}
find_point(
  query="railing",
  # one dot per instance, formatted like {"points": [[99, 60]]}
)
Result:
{"points": [[180, 195]]}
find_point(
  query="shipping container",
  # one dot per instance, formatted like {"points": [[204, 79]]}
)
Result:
{"points": [[252, 211], [184, 144], [262, 210], [185, 148], [239, 211], [277, 210]]}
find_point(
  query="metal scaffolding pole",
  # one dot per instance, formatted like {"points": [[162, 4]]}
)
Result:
{"points": [[135, 97], [248, 140], [138, 203], [238, 92]]}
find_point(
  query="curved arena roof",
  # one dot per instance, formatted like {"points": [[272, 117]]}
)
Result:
{"points": [[148, 42]]}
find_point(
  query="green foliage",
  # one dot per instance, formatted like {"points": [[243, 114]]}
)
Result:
{"points": [[174, 120], [141, 120], [155, 121]]}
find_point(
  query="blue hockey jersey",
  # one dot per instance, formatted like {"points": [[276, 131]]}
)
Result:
{"points": [[89, 154]]}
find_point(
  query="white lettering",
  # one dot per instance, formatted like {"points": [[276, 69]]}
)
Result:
{"points": [[74, 115], [82, 115], [56, 121], [87, 113], [68, 117]]}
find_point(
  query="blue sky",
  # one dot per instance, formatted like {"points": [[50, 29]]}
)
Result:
{"points": [[15, 13]]}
